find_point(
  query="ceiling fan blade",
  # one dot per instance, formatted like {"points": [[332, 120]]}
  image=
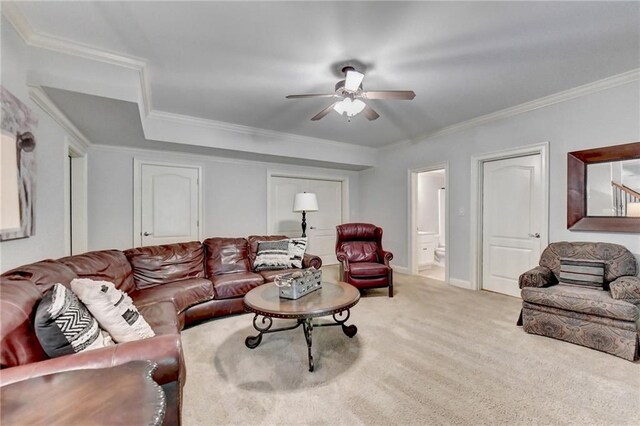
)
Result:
{"points": [[390, 94], [353, 80], [319, 95], [370, 113], [322, 113]]}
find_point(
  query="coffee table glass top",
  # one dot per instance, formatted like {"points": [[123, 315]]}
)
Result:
{"points": [[331, 298]]}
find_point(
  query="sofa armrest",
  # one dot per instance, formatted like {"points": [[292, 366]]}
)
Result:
{"points": [[165, 350], [540, 276], [626, 288], [311, 260]]}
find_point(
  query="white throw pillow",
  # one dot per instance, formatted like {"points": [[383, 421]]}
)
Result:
{"points": [[113, 309], [297, 247]]}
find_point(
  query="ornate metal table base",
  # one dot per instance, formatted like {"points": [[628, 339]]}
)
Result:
{"points": [[264, 327]]}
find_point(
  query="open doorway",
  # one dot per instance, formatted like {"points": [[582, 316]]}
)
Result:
{"points": [[75, 198], [429, 213]]}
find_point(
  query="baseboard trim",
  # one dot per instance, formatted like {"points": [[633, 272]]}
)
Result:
{"points": [[460, 283], [401, 269]]}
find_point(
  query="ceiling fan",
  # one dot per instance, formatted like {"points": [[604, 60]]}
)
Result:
{"points": [[349, 95]]}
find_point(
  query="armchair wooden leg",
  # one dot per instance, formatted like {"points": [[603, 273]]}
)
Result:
{"points": [[391, 284], [519, 323]]}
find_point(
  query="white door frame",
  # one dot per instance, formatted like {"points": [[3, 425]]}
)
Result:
{"points": [[413, 215], [287, 174], [477, 169], [78, 237], [137, 196]]}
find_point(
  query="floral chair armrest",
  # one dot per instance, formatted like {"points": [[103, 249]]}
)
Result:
{"points": [[626, 288], [540, 276]]}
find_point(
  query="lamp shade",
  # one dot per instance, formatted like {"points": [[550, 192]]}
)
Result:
{"points": [[305, 201], [633, 209]]}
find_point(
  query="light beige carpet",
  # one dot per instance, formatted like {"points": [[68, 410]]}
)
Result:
{"points": [[433, 354]]}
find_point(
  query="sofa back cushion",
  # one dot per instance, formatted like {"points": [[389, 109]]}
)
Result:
{"points": [[226, 256], [253, 241], [171, 262], [44, 274], [18, 302], [619, 261], [360, 251], [105, 265]]}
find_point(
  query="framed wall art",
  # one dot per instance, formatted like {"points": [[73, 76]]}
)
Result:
{"points": [[17, 168]]}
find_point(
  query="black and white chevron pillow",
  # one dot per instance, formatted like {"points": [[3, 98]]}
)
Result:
{"points": [[65, 326]]}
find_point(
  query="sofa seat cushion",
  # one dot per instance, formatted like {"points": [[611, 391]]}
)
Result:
{"points": [[368, 269], [227, 286], [581, 299], [182, 293], [162, 317]]}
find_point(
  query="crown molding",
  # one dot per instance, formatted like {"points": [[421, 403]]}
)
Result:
{"points": [[40, 40], [576, 92], [151, 153], [39, 96], [247, 130]]}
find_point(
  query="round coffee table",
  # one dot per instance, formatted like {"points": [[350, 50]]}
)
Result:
{"points": [[332, 299]]}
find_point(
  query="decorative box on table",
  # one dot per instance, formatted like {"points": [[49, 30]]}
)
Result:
{"points": [[294, 285]]}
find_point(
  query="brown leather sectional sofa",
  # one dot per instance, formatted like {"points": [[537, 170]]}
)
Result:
{"points": [[173, 286]]}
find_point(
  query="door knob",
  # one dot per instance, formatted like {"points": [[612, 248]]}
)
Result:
{"points": [[312, 227], [146, 234], [536, 235]]}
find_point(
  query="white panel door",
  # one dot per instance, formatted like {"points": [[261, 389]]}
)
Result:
{"points": [[169, 204], [321, 225], [513, 221]]}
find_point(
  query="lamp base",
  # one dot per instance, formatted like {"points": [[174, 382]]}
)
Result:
{"points": [[304, 224]]}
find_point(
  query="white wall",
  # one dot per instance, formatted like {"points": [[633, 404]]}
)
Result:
{"points": [[608, 117], [48, 241], [234, 192], [428, 209]]}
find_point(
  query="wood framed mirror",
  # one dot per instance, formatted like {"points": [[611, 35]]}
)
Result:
{"points": [[603, 189]]}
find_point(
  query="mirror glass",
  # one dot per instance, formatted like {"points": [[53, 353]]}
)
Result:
{"points": [[613, 188]]}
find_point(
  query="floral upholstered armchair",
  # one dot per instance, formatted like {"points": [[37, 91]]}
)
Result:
{"points": [[568, 299]]}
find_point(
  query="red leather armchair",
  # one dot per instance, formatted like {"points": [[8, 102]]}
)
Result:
{"points": [[364, 264]]}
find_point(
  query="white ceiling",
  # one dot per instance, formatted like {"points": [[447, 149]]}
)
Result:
{"points": [[235, 61]]}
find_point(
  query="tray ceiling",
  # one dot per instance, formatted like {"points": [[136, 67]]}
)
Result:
{"points": [[235, 61]]}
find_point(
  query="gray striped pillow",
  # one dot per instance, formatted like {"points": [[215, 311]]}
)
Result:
{"points": [[272, 255], [582, 272]]}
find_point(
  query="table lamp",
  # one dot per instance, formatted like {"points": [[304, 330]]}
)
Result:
{"points": [[305, 202]]}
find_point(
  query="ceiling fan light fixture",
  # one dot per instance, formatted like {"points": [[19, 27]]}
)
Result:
{"points": [[349, 107], [353, 80]]}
